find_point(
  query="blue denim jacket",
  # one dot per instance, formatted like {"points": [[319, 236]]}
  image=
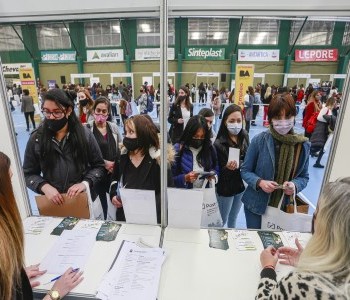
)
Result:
{"points": [[259, 163]]}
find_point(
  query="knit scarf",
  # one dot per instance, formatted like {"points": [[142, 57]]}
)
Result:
{"points": [[285, 161]]}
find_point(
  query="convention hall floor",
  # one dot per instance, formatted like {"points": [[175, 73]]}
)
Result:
{"points": [[311, 191]]}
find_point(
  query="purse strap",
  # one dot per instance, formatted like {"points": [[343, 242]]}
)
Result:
{"points": [[295, 166]]}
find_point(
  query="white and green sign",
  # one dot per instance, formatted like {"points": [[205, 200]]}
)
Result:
{"points": [[58, 56], [205, 53]]}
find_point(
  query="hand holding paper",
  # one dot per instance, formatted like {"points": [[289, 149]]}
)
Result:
{"points": [[233, 156]]}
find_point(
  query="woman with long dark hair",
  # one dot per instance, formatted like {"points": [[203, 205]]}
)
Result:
{"points": [[195, 154], [180, 113], [61, 156], [230, 186]]}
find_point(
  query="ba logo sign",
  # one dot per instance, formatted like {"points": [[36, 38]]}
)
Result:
{"points": [[243, 73], [27, 76]]}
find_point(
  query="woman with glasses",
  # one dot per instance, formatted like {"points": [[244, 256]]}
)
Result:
{"points": [[61, 155], [322, 269], [195, 155], [108, 138]]}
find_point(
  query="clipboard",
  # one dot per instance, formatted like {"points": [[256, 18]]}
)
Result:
{"points": [[77, 206]]}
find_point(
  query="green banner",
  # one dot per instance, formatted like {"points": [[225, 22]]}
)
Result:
{"points": [[58, 56], [204, 53]]}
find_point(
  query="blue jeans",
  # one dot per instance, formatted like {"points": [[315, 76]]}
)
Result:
{"points": [[253, 220], [216, 125], [229, 209]]}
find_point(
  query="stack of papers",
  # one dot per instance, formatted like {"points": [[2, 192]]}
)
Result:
{"points": [[242, 240], [135, 274], [36, 225]]}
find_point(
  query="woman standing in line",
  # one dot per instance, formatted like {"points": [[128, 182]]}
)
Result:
{"points": [[230, 186], [85, 106], [28, 108], [248, 107], [180, 112], [266, 101], [216, 105], [314, 105]]}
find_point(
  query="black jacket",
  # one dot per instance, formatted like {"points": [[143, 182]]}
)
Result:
{"points": [[63, 174], [176, 129], [230, 182], [319, 136]]}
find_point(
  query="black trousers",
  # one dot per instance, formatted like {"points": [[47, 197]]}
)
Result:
{"points": [[30, 115], [255, 112]]}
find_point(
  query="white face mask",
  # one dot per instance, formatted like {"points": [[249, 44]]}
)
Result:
{"points": [[283, 126], [234, 128]]}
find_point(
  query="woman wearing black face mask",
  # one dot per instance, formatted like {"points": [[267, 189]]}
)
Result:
{"points": [[85, 106], [195, 154], [61, 156], [139, 164], [180, 113]]}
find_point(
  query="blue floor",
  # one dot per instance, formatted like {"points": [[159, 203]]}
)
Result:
{"points": [[311, 191]]}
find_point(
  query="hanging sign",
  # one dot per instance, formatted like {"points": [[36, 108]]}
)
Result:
{"points": [[104, 55], [58, 56], [244, 78], [152, 54], [205, 53], [9, 69], [258, 55], [316, 55]]}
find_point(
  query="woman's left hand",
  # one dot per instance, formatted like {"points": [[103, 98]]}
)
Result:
{"points": [[269, 257], [76, 189], [289, 188], [109, 165], [33, 272]]}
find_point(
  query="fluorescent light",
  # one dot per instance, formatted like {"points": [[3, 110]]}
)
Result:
{"points": [[145, 28], [258, 40], [116, 28], [218, 35], [195, 36]]}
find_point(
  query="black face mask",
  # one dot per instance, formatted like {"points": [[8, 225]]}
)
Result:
{"points": [[196, 143], [131, 143], [181, 98], [56, 125], [83, 102]]}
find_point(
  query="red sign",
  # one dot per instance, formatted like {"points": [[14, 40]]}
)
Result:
{"points": [[316, 55]]}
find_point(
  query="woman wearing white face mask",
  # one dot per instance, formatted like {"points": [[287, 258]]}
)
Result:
{"points": [[230, 186], [275, 157]]}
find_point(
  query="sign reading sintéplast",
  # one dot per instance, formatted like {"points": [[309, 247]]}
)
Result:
{"points": [[258, 55], [205, 53], [104, 55], [58, 56]]}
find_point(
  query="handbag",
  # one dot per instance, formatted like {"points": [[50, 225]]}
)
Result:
{"points": [[302, 206], [276, 219], [311, 123]]}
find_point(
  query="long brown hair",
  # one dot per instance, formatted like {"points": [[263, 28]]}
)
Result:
{"points": [[187, 100], [11, 233], [88, 98]]}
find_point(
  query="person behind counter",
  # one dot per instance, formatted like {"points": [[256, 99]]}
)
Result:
{"points": [[322, 269], [16, 280], [139, 164], [275, 157], [62, 156]]}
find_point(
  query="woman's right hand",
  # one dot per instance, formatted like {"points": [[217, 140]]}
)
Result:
{"points": [[268, 186], [191, 177], [180, 121], [231, 165], [68, 281], [290, 256], [117, 202], [52, 194]]}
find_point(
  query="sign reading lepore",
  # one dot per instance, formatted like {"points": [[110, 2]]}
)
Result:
{"points": [[105, 55], [205, 53], [316, 55], [9, 69], [244, 78], [58, 56], [258, 55], [152, 54]]}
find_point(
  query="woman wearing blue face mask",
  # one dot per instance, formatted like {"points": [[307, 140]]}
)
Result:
{"points": [[230, 186], [275, 157]]}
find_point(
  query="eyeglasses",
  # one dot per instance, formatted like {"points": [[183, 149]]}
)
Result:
{"points": [[101, 111], [56, 114]]}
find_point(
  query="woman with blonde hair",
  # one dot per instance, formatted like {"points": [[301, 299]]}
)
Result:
{"points": [[323, 267], [16, 282], [266, 101]]}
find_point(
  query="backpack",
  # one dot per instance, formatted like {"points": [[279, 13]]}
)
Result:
{"points": [[311, 123], [149, 104], [128, 110]]}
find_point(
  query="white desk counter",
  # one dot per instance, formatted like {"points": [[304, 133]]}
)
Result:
{"points": [[194, 271], [100, 260]]}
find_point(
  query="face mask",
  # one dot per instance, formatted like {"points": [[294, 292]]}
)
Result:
{"points": [[283, 126], [100, 118], [214, 94], [131, 143], [196, 143], [234, 128], [181, 98], [141, 91], [56, 125], [318, 97], [83, 102]]}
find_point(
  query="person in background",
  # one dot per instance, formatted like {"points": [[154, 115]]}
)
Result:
{"points": [[108, 138], [314, 105], [322, 269], [194, 154], [266, 101], [320, 135], [179, 114], [230, 186], [333, 92], [142, 100], [139, 164], [62, 156], [248, 107], [256, 104], [193, 93], [216, 105], [85, 106], [275, 158], [123, 106], [201, 92], [28, 108], [17, 281]]}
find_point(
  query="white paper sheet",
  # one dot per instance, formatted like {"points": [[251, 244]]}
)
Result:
{"points": [[72, 249], [36, 225], [135, 274], [184, 208], [139, 206], [290, 236], [234, 155]]}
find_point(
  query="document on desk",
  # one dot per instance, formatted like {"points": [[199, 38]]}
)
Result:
{"points": [[71, 249], [135, 274], [233, 154], [139, 206], [36, 225]]}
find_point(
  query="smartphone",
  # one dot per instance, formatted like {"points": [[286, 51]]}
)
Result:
{"points": [[205, 174]]}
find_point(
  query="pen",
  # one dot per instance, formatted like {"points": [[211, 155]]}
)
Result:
{"points": [[58, 277]]}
